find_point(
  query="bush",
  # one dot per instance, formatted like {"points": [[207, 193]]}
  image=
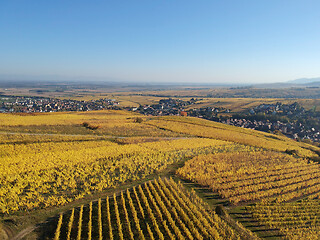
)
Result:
{"points": [[88, 126], [291, 151], [220, 210], [138, 120]]}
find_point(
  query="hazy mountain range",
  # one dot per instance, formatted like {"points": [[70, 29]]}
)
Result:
{"points": [[22, 80], [305, 81], [300, 82]]}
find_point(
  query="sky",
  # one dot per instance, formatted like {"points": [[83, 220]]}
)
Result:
{"points": [[205, 41]]}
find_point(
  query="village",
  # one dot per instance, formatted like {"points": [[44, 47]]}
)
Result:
{"points": [[37, 104], [291, 120], [274, 118], [166, 107], [292, 130]]}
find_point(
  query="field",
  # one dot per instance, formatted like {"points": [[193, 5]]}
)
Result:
{"points": [[235, 99], [208, 129], [159, 209], [52, 173], [295, 220], [112, 123], [57, 171], [249, 176]]}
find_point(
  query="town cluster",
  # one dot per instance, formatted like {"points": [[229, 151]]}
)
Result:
{"points": [[292, 130], [279, 109], [37, 104], [283, 118], [291, 120], [166, 107]]}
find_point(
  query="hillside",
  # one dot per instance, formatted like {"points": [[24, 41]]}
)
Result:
{"points": [[54, 162]]}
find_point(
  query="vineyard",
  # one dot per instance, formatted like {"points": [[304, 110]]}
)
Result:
{"points": [[54, 167], [250, 176], [121, 123], [161, 209], [297, 220], [39, 175], [112, 123], [202, 128]]}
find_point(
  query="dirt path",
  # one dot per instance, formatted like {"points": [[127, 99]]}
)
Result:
{"points": [[80, 135], [167, 172], [24, 232], [57, 134]]}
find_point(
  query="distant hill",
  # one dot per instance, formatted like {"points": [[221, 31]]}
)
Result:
{"points": [[301, 82], [305, 81]]}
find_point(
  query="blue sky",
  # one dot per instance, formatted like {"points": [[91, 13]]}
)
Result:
{"points": [[161, 41]]}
